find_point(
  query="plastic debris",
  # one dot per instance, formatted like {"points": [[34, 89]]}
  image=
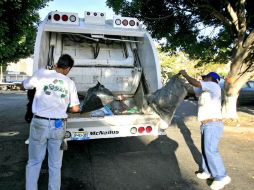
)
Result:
{"points": [[96, 97], [165, 100]]}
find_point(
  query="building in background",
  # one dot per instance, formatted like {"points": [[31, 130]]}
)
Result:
{"points": [[17, 72], [24, 66]]}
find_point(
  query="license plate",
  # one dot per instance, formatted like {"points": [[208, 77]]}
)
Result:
{"points": [[80, 136]]}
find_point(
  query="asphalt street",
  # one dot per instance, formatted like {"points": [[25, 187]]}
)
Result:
{"points": [[158, 163]]}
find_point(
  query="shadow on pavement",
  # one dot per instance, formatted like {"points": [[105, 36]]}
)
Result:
{"points": [[189, 141], [104, 164], [246, 109], [187, 109], [123, 164]]}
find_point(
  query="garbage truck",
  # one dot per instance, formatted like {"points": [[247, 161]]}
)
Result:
{"points": [[119, 54]]}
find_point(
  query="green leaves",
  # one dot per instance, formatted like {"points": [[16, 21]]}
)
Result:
{"points": [[18, 20], [182, 22]]}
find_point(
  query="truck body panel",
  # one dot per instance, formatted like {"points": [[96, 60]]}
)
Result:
{"points": [[124, 60]]}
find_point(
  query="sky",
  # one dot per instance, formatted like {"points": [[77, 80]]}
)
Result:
{"points": [[80, 6], [77, 6]]}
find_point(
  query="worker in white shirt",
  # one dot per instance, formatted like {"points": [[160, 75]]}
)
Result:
{"points": [[55, 93], [210, 116]]}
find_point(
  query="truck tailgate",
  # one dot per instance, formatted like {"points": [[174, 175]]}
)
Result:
{"points": [[85, 128]]}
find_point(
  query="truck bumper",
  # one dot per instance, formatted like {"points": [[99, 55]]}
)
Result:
{"points": [[112, 127]]}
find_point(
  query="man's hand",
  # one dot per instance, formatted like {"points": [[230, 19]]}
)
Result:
{"points": [[183, 72], [74, 109], [191, 80]]}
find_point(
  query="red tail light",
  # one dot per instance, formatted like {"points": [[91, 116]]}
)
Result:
{"points": [[125, 22], [64, 18], [56, 17], [141, 129], [149, 129]]}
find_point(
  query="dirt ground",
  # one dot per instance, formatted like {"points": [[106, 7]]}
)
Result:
{"points": [[236, 147], [244, 127]]}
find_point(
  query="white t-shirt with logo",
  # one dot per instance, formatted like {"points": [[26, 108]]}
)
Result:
{"points": [[209, 104], [54, 93]]}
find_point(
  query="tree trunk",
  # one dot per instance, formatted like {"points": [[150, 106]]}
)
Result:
{"points": [[229, 110], [240, 72], [230, 95], [229, 107]]}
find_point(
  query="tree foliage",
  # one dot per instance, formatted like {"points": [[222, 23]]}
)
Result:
{"points": [[182, 22], [18, 19], [172, 64]]}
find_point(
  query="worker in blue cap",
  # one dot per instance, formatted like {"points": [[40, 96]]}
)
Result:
{"points": [[212, 126]]}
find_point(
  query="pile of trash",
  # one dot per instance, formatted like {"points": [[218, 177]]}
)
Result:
{"points": [[96, 98], [100, 101]]}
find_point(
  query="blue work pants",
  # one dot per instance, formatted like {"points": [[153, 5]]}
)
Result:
{"points": [[44, 136], [212, 162]]}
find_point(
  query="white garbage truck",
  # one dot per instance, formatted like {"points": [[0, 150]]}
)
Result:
{"points": [[119, 54]]}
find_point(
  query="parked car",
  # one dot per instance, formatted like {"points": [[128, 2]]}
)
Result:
{"points": [[246, 94]]}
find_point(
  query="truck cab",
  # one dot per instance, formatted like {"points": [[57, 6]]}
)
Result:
{"points": [[119, 54]]}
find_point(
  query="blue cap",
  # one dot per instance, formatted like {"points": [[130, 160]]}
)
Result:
{"points": [[214, 75]]}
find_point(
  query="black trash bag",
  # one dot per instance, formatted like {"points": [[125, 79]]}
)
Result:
{"points": [[29, 113], [96, 97], [165, 100]]}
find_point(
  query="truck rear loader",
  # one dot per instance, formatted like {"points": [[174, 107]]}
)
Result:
{"points": [[119, 54]]}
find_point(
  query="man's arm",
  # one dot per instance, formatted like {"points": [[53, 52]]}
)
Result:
{"points": [[31, 82], [191, 80], [74, 106], [22, 86]]}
